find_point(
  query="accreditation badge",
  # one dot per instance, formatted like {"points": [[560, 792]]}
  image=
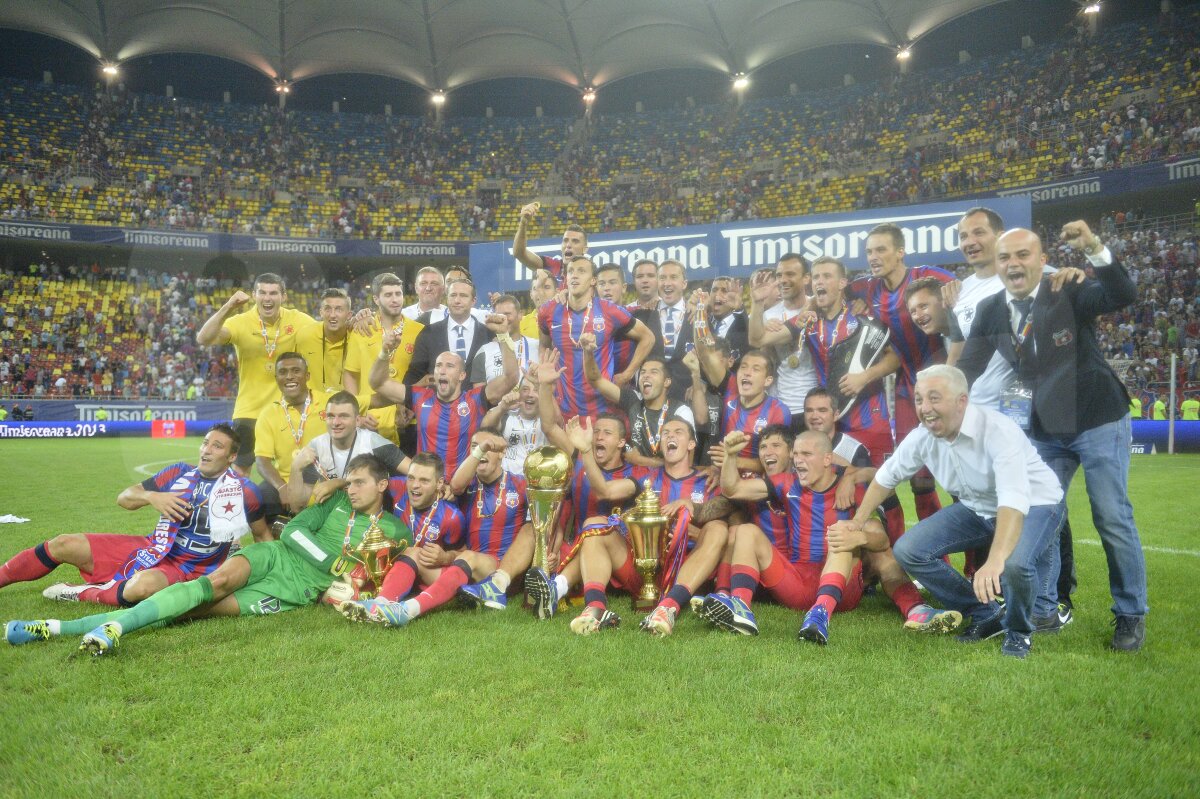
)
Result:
{"points": [[1016, 402]]}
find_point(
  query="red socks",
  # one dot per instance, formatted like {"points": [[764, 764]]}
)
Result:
{"points": [[27, 565], [906, 597], [829, 592], [444, 587], [399, 579]]}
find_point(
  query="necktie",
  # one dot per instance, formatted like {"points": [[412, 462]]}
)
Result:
{"points": [[1023, 307], [669, 332], [460, 343]]}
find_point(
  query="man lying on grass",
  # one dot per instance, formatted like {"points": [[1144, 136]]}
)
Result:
{"points": [[263, 578]]}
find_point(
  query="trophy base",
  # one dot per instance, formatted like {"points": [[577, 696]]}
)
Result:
{"points": [[641, 603], [647, 598]]}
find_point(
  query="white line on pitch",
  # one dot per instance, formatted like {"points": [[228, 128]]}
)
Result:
{"points": [[1164, 550], [145, 467]]}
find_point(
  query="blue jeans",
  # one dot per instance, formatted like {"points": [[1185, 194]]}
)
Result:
{"points": [[1103, 452], [957, 528]]}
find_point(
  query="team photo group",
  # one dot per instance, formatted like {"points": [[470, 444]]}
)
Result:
{"points": [[698, 446]]}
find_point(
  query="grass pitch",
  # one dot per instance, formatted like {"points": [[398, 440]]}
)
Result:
{"points": [[477, 704]]}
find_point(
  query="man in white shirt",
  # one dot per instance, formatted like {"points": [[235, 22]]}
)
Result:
{"points": [[430, 288], [797, 374], [488, 362], [1007, 500]]}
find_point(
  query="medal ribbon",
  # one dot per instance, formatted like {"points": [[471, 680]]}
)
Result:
{"points": [[270, 346], [587, 317], [653, 439], [297, 430], [419, 534], [339, 565], [503, 483]]}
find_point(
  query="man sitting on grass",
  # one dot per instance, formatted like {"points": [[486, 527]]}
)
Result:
{"points": [[263, 578]]}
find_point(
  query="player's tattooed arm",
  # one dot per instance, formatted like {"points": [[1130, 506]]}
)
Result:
{"points": [[713, 509]]}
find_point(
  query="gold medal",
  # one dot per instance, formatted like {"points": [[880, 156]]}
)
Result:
{"points": [[391, 371], [793, 361], [270, 367]]}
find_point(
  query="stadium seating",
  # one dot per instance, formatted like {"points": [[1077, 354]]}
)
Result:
{"points": [[1065, 107]]}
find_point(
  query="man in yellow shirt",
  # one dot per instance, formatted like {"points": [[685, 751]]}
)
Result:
{"points": [[388, 292], [541, 289], [1190, 409], [325, 344], [295, 417], [1135, 406], [1159, 412], [258, 336]]}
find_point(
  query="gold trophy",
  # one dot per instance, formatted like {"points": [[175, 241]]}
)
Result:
{"points": [[374, 555], [648, 538], [547, 470]]}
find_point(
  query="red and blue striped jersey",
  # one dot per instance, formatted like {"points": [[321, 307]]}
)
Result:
{"points": [[495, 513], [751, 421], [576, 396], [623, 348], [870, 409], [446, 427], [442, 523], [916, 350], [584, 501], [809, 514], [554, 265], [772, 520], [694, 486], [193, 550]]}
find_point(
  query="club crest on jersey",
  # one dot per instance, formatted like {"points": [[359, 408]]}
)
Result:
{"points": [[511, 500], [759, 424], [464, 409], [968, 314], [408, 348], [226, 501], [433, 533], [1063, 337], [698, 495], [598, 325], [289, 330]]}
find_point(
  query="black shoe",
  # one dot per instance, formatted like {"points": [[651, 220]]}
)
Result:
{"points": [[978, 631], [1130, 633], [1016, 645], [1055, 621]]}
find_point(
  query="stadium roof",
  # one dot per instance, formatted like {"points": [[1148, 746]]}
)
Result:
{"points": [[444, 44]]}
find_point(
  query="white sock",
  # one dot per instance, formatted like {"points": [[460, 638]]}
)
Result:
{"points": [[54, 626], [501, 579], [560, 583], [413, 608]]}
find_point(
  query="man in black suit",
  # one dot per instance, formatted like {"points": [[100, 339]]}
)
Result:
{"points": [[673, 333], [1072, 405], [460, 332], [724, 317]]}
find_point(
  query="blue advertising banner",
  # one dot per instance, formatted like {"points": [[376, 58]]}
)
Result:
{"points": [[1116, 181], [26, 430], [1150, 437], [738, 248], [229, 242], [84, 410]]}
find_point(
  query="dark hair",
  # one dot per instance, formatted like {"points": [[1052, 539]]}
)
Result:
{"points": [[429, 459], [491, 430], [576, 229], [930, 284], [611, 267], [575, 258], [995, 221], [781, 430], [343, 398], [224, 429], [291, 355], [794, 256], [335, 294], [657, 359], [821, 391], [618, 418], [641, 261], [372, 463], [388, 279], [507, 298], [458, 280], [888, 229], [772, 367], [270, 278], [691, 430]]}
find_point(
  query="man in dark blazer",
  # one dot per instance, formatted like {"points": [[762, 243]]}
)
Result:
{"points": [[725, 318], [673, 331], [1067, 398], [461, 332]]}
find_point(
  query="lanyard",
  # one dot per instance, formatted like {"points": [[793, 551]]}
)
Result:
{"points": [[297, 430], [333, 458], [271, 346], [499, 497], [587, 317], [841, 328], [419, 534], [350, 527], [653, 438]]}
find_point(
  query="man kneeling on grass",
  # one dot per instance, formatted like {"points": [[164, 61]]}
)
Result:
{"points": [[813, 568], [263, 578]]}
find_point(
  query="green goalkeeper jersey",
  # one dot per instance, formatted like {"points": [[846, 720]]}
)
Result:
{"points": [[319, 533]]}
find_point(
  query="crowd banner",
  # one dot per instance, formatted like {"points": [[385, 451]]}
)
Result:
{"points": [[738, 248], [10, 430], [100, 410]]}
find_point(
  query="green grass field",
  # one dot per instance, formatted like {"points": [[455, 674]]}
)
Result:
{"points": [[467, 704]]}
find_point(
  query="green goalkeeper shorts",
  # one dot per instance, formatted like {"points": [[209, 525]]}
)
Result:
{"points": [[279, 580]]}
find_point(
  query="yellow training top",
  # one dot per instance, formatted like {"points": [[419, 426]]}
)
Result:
{"points": [[251, 339], [280, 431]]}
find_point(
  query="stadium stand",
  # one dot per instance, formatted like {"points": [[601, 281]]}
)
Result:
{"points": [[1068, 107]]}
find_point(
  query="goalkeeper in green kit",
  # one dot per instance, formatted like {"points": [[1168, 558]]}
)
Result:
{"points": [[268, 577]]}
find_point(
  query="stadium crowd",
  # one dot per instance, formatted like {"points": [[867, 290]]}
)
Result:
{"points": [[774, 460], [1072, 105]]}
